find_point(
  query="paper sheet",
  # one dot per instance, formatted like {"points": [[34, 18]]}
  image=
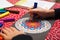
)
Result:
{"points": [[5, 3], [30, 3], [45, 4]]}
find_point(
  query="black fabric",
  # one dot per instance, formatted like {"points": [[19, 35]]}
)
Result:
{"points": [[57, 13], [22, 37]]}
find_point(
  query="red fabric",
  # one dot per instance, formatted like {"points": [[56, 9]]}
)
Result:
{"points": [[13, 1], [23, 12], [57, 5], [54, 33]]}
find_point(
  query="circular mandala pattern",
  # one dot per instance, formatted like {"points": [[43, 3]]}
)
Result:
{"points": [[21, 25]]}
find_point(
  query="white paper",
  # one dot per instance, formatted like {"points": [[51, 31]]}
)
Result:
{"points": [[42, 4], [5, 3], [45, 4]]}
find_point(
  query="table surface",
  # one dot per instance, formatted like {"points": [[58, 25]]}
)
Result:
{"points": [[40, 36]]}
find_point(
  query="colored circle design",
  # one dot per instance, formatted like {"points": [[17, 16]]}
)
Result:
{"points": [[21, 25], [30, 24]]}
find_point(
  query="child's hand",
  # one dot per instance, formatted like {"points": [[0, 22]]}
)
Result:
{"points": [[9, 33]]}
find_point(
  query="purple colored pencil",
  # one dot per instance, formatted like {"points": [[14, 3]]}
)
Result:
{"points": [[1, 22], [8, 19]]}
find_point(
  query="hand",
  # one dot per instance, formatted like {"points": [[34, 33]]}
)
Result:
{"points": [[9, 33], [41, 12]]}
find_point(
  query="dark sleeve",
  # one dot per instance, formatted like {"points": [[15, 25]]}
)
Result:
{"points": [[57, 13], [22, 37]]}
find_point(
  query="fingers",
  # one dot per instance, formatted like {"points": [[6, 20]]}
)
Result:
{"points": [[34, 11], [5, 31], [13, 29], [8, 29], [3, 35]]}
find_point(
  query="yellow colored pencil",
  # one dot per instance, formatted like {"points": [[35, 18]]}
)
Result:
{"points": [[4, 14]]}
